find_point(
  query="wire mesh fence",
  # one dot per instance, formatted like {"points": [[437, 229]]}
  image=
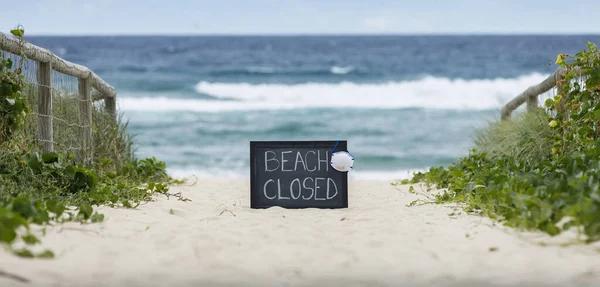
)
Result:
{"points": [[70, 118]]}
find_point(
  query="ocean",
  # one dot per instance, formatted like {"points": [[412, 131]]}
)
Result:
{"points": [[403, 103]]}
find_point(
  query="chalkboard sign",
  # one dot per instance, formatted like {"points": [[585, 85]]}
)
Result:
{"points": [[296, 174]]}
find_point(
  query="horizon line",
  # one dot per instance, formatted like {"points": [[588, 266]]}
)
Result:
{"points": [[309, 34]]}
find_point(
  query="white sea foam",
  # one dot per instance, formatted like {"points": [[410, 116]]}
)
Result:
{"points": [[341, 70], [430, 92], [355, 174], [190, 173]]}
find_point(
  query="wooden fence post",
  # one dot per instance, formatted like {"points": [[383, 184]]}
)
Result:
{"points": [[532, 103], [85, 116], [110, 106], [44, 80]]}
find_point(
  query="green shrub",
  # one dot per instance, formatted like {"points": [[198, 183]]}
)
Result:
{"points": [[39, 188], [540, 170]]}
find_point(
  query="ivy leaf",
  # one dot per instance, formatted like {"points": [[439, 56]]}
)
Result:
{"points": [[596, 115], [126, 204], [30, 239], [551, 229], [97, 217], [26, 253], [11, 101], [50, 157], [560, 59], [86, 211], [19, 32], [7, 233], [593, 81], [55, 207], [47, 254], [24, 207]]}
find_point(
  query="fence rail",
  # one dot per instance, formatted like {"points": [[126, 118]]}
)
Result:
{"points": [[46, 63], [530, 95]]}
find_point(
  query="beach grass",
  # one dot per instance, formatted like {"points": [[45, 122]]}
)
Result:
{"points": [[526, 136]]}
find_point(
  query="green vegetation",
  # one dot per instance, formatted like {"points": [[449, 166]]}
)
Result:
{"points": [[13, 106], [538, 171], [46, 188]]}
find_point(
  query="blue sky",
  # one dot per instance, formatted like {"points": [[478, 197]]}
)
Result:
{"points": [[116, 17]]}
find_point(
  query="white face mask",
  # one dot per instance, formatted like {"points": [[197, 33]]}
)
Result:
{"points": [[342, 161]]}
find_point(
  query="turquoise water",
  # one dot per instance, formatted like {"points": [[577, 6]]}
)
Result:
{"points": [[403, 103]]}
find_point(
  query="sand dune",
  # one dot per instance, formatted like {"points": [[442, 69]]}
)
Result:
{"points": [[217, 240]]}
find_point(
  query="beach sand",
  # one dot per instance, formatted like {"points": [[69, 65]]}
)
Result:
{"points": [[217, 240]]}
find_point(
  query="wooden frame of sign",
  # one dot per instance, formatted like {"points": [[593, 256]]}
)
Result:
{"points": [[296, 174]]}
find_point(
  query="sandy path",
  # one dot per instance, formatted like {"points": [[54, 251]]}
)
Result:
{"points": [[217, 240]]}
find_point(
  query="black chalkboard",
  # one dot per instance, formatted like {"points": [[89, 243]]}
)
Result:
{"points": [[296, 174]]}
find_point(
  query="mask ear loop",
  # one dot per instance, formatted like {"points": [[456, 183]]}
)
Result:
{"points": [[334, 147], [332, 151]]}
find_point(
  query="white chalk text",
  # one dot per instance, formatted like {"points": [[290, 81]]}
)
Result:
{"points": [[296, 161], [309, 188]]}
